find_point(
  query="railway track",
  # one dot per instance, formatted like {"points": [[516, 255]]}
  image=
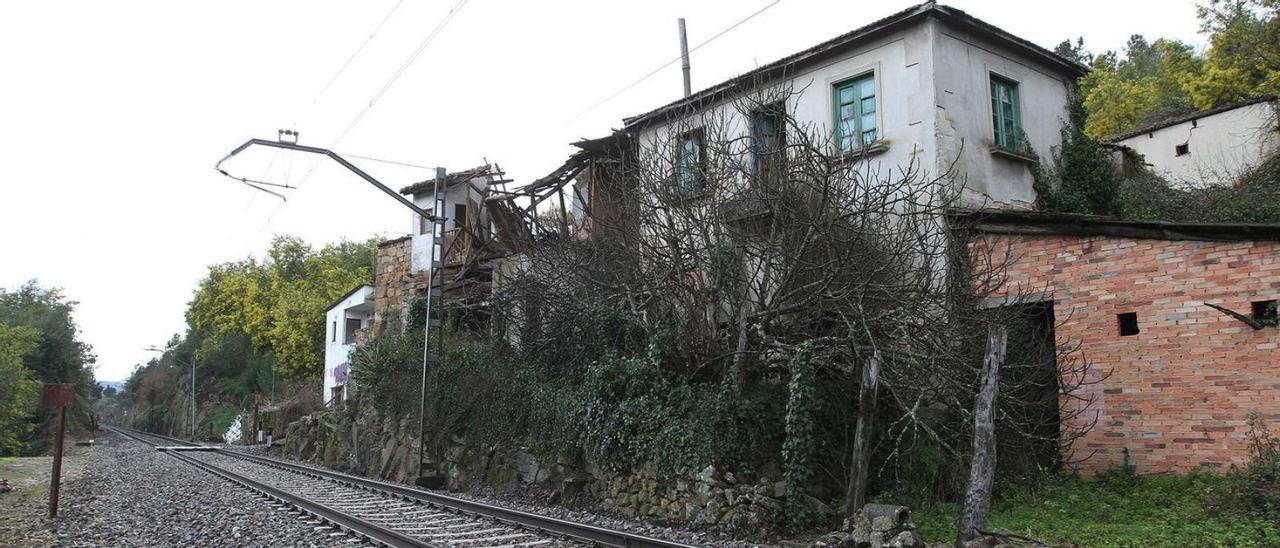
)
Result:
{"points": [[392, 514]]}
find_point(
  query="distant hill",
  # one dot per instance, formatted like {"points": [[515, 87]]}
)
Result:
{"points": [[118, 385]]}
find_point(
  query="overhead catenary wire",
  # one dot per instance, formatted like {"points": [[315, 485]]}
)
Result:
{"points": [[391, 81], [673, 61], [357, 52]]}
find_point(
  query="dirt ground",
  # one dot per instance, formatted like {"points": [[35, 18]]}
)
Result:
{"points": [[28, 503]]}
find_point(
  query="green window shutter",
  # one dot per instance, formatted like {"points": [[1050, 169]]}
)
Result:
{"points": [[855, 113], [1004, 113]]}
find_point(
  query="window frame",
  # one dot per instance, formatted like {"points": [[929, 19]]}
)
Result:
{"points": [[1014, 142], [776, 156], [859, 130], [348, 334], [699, 175]]}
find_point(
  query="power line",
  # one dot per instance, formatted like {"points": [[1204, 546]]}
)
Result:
{"points": [[444, 22], [673, 61], [356, 53], [403, 67], [392, 162]]}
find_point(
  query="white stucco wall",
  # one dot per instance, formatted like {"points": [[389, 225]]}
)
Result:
{"points": [[1220, 145], [337, 350], [934, 107], [964, 64], [456, 194]]}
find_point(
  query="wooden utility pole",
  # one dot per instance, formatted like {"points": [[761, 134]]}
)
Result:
{"points": [[60, 396], [857, 495], [982, 468]]}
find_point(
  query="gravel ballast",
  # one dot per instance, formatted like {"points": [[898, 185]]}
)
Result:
{"points": [[128, 494]]}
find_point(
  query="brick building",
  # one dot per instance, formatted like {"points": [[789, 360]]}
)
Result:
{"points": [[1178, 378]]}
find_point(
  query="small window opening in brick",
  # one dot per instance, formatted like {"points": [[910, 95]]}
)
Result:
{"points": [[1182, 149], [1265, 312], [1128, 323]]}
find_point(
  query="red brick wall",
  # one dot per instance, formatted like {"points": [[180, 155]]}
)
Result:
{"points": [[1179, 392]]}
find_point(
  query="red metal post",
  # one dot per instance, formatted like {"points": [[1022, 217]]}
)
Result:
{"points": [[55, 479]]}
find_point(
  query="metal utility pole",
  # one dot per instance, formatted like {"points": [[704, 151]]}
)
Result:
{"points": [[193, 397], [436, 260], [684, 59], [435, 217]]}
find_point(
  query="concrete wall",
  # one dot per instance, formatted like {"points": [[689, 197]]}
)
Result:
{"points": [[1220, 145], [337, 349], [934, 106], [1179, 391]]}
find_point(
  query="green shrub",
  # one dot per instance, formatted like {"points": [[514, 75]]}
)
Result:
{"points": [[1255, 488], [798, 447]]}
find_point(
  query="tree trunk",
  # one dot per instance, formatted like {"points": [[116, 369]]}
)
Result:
{"points": [[977, 499], [857, 494]]}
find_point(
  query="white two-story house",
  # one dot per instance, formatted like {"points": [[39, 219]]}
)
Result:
{"points": [[930, 84]]}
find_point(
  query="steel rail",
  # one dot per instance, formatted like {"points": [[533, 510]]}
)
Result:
{"points": [[337, 517], [590, 534], [367, 529]]}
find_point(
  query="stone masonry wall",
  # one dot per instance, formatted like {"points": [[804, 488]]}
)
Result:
{"points": [[395, 283], [1180, 390], [352, 437]]}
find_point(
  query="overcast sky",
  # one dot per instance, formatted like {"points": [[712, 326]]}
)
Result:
{"points": [[112, 115]]}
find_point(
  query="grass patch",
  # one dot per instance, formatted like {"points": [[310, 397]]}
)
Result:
{"points": [[222, 417], [1119, 510]]}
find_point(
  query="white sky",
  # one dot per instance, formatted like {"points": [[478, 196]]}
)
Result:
{"points": [[112, 115]]}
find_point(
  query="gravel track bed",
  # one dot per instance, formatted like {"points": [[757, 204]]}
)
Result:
{"points": [[535, 504], [131, 495], [414, 519]]}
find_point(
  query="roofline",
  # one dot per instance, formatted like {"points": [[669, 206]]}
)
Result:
{"points": [[344, 297], [1184, 118], [843, 43], [1069, 224], [450, 180]]}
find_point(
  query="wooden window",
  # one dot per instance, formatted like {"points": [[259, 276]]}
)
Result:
{"points": [[691, 152], [1005, 113], [769, 141], [855, 113], [1128, 323], [1182, 149]]}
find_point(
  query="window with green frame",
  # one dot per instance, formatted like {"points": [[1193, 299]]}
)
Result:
{"points": [[855, 113], [691, 154], [1005, 113]]}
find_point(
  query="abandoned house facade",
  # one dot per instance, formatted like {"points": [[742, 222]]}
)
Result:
{"points": [[931, 85], [935, 87], [1207, 147]]}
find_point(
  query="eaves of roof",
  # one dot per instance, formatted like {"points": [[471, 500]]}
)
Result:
{"points": [[842, 44]]}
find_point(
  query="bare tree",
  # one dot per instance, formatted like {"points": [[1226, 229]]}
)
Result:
{"points": [[746, 233]]}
